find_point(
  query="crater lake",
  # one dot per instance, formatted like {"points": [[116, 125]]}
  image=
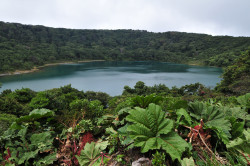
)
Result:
{"points": [[111, 77]]}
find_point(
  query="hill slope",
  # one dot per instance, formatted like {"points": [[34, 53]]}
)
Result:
{"points": [[26, 46]]}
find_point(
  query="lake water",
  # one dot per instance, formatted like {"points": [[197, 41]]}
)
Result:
{"points": [[111, 77]]}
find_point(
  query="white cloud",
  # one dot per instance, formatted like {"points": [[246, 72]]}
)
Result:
{"points": [[217, 17]]}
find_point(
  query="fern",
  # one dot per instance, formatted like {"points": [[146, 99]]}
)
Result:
{"points": [[151, 130]]}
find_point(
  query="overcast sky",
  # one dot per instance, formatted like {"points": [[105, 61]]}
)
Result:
{"points": [[216, 17]]}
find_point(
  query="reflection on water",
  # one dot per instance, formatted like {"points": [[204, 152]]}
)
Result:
{"points": [[111, 77]]}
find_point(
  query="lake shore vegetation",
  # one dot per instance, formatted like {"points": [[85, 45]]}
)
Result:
{"points": [[45, 65]]}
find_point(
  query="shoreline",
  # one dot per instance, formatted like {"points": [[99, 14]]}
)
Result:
{"points": [[38, 68]]}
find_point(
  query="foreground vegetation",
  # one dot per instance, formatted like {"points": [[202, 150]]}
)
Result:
{"points": [[178, 126], [190, 125], [23, 47]]}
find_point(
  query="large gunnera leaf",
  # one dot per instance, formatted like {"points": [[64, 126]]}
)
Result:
{"points": [[213, 118], [35, 115], [242, 145], [89, 156], [151, 130], [244, 100]]}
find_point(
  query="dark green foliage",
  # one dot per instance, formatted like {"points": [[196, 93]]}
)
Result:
{"points": [[5, 121], [90, 109], [143, 102], [159, 159], [5, 92], [191, 89], [26, 46], [40, 101], [38, 136], [56, 99], [10, 105], [101, 96], [24, 95], [187, 90], [141, 89], [26, 146], [236, 78]]}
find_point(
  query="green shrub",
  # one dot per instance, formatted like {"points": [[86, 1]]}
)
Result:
{"points": [[5, 121]]}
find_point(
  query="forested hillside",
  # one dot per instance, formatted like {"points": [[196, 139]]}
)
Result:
{"points": [[26, 46]]}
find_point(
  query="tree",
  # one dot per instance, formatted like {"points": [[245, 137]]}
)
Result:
{"points": [[236, 78]]}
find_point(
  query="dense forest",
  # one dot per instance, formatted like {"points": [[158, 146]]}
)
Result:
{"points": [[25, 46], [151, 125]]}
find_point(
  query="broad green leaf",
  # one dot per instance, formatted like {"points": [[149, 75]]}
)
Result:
{"points": [[187, 162], [42, 112], [42, 141], [123, 131], [46, 160], [183, 117], [36, 114], [150, 121], [151, 130], [27, 155], [241, 144], [237, 127], [197, 110], [9, 164], [180, 104], [244, 100], [144, 101], [244, 157], [236, 112], [174, 145], [213, 118], [91, 152]]}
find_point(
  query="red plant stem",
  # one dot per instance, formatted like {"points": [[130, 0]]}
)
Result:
{"points": [[102, 154], [75, 147], [9, 154], [106, 155], [101, 161], [95, 160], [248, 163]]}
